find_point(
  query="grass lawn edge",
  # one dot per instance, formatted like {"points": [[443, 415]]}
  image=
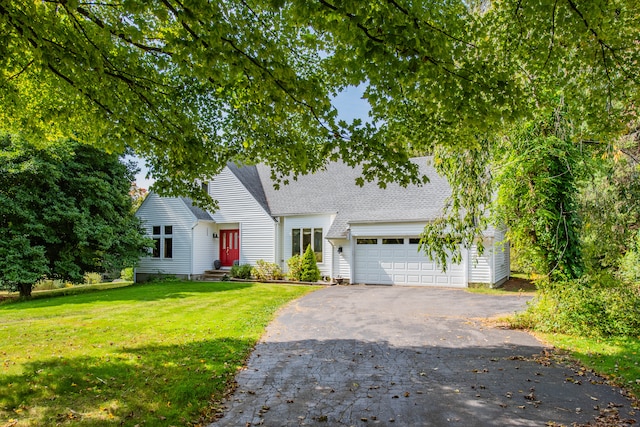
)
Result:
{"points": [[615, 359]]}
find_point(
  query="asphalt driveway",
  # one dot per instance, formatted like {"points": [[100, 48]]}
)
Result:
{"points": [[403, 356]]}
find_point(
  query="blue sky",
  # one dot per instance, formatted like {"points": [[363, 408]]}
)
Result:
{"points": [[350, 106]]}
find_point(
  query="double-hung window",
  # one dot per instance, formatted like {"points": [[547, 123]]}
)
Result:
{"points": [[301, 238]]}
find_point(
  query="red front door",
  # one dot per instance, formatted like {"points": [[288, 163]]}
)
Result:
{"points": [[229, 247]]}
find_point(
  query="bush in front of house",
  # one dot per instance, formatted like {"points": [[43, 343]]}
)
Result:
{"points": [[294, 265], [266, 271], [310, 271], [91, 278], [242, 271], [127, 274]]}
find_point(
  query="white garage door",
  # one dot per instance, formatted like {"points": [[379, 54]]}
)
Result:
{"points": [[396, 261]]}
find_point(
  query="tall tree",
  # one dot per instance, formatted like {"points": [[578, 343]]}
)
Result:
{"points": [[64, 210]]}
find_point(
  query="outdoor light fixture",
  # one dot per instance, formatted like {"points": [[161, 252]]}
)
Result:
{"points": [[339, 249]]}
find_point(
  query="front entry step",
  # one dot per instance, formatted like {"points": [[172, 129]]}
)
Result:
{"points": [[214, 275]]}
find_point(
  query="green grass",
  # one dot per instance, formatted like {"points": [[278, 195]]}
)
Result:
{"points": [[10, 297], [520, 275], [616, 358], [494, 291], [516, 285], [154, 355]]}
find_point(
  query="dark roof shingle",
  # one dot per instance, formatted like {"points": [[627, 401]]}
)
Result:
{"points": [[199, 213], [334, 190]]}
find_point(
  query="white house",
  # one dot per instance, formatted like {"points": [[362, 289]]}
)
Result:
{"points": [[362, 234]]}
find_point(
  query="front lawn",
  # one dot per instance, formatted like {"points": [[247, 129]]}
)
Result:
{"points": [[154, 354], [617, 358]]}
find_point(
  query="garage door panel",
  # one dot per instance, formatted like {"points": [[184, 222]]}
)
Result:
{"points": [[426, 280], [455, 268], [442, 280], [402, 264], [386, 253], [372, 278], [413, 266], [413, 279], [427, 266]]}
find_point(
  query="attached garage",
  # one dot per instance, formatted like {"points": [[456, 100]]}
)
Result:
{"points": [[397, 261]]}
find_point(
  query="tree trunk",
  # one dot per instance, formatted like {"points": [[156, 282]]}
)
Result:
{"points": [[25, 290]]}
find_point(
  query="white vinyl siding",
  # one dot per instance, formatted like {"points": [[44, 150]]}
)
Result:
{"points": [[204, 247], [493, 265], [237, 206], [309, 221], [501, 250], [342, 261], [480, 266], [163, 211]]}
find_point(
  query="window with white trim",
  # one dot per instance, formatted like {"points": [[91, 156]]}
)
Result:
{"points": [[162, 241], [301, 238]]}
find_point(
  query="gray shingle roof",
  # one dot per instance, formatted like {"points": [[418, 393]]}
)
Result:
{"points": [[334, 191], [199, 213]]}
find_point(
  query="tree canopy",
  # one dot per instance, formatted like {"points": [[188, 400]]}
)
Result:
{"points": [[191, 85], [64, 210]]}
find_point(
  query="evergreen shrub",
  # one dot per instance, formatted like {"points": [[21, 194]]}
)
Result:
{"points": [[310, 271]]}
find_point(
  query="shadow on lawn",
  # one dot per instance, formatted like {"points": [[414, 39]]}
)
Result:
{"points": [[153, 385], [152, 291]]}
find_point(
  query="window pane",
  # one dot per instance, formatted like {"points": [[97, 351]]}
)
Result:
{"points": [[414, 241], [393, 241], [168, 229], [367, 241], [306, 238], [317, 243], [156, 248], [156, 229], [168, 248], [295, 241]]}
